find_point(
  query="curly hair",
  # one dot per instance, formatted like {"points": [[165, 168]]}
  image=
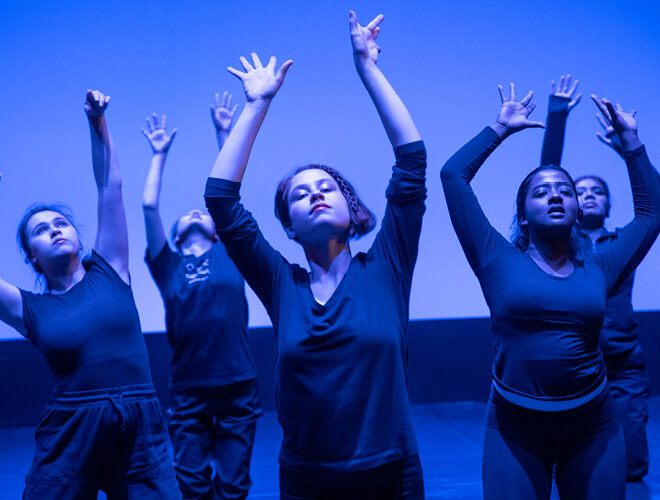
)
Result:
{"points": [[362, 219], [520, 231]]}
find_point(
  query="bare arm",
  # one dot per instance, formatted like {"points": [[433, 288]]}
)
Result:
{"points": [[260, 83], [112, 234], [11, 306], [160, 143], [398, 123]]}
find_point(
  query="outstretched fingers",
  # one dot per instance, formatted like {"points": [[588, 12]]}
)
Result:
{"points": [[373, 25], [526, 100], [281, 73], [238, 74], [256, 61], [600, 104]]}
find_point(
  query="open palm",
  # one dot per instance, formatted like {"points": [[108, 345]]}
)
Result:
{"points": [[260, 82]]}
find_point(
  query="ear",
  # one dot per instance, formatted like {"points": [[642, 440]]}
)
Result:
{"points": [[290, 233], [522, 221]]}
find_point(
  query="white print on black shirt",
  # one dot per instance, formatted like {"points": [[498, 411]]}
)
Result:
{"points": [[198, 273]]}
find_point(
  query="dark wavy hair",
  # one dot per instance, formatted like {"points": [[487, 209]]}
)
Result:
{"points": [[21, 233], [362, 219], [520, 231], [602, 182]]}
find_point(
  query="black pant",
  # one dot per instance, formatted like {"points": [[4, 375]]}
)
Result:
{"points": [[111, 440], [212, 430], [400, 480], [522, 446], [630, 390]]}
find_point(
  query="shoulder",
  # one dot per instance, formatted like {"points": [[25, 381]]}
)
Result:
{"points": [[96, 265]]}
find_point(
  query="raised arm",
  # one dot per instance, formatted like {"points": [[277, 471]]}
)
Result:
{"points": [[11, 305], [260, 84], [479, 240], [636, 238], [112, 234], [222, 114], [398, 123], [562, 101], [160, 142]]}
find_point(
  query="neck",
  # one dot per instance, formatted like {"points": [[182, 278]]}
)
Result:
{"points": [[62, 277], [554, 252], [593, 226], [196, 244], [329, 261]]}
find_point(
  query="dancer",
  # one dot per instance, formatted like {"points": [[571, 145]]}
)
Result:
{"points": [[341, 329], [215, 405], [549, 401], [103, 428], [619, 338]]}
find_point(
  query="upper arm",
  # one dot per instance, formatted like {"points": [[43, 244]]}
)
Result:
{"points": [[259, 263], [11, 306], [479, 239], [153, 224], [398, 237], [112, 234]]}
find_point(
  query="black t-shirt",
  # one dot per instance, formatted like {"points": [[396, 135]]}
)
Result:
{"points": [[206, 317], [90, 335]]}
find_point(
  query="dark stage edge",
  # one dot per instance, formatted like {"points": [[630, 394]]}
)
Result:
{"points": [[449, 434]]}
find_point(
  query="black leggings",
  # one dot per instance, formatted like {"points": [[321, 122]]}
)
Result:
{"points": [[522, 446]]}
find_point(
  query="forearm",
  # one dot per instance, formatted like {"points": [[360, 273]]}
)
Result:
{"points": [[221, 137], [152, 186], [396, 119], [553, 140], [104, 156], [150, 205], [234, 154]]}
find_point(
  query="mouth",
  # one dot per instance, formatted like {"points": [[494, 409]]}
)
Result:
{"points": [[57, 241], [318, 206], [589, 204], [556, 210]]}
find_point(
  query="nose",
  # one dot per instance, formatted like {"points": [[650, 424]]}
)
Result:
{"points": [[54, 232], [555, 196], [316, 195], [588, 193]]}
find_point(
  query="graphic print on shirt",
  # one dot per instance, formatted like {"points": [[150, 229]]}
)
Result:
{"points": [[195, 273]]}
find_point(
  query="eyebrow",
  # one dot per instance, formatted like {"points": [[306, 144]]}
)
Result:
{"points": [[55, 219], [305, 185], [548, 184]]}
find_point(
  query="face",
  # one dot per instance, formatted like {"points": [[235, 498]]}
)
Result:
{"points": [[593, 198], [550, 202], [317, 206], [51, 235], [195, 220]]}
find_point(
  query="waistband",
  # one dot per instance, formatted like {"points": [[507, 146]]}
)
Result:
{"points": [[105, 394], [550, 405]]}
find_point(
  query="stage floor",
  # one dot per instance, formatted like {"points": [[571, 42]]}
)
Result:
{"points": [[449, 434]]}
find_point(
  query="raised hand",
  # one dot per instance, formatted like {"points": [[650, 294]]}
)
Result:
{"points": [[223, 113], [622, 123], [513, 115], [609, 137], [96, 103], [363, 38], [260, 83], [156, 134], [565, 89]]}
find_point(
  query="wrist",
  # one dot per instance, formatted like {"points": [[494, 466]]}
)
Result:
{"points": [[365, 66], [629, 140], [501, 130]]}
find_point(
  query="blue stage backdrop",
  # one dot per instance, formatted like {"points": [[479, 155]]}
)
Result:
{"points": [[444, 58]]}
